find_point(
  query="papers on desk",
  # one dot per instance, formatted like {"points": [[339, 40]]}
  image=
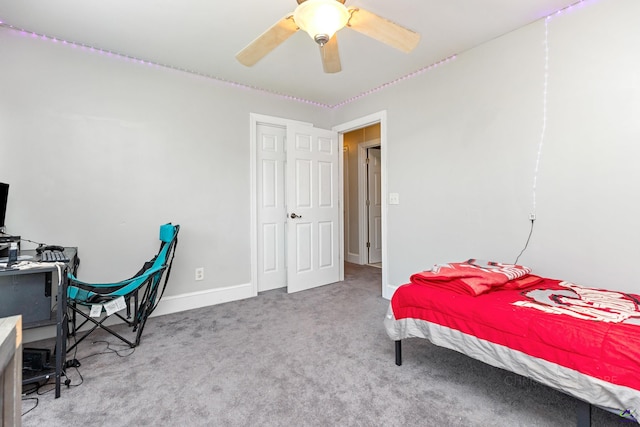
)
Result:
{"points": [[4, 260], [25, 263], [20, 265]]}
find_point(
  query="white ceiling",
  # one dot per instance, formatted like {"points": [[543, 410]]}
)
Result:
{"points": [[204, 35]]}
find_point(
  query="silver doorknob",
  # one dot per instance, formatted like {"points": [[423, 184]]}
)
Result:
{"points": [[294, 216]]}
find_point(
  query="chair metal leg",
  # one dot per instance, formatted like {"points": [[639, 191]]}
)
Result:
{"points": [[78, 341], [73, 320], [97, 324]]}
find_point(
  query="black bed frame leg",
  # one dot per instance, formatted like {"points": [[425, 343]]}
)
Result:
{"points": [[399, 353], [583, 410]]}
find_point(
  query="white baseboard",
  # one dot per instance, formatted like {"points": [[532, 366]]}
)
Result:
{"points": [[389, 290], [353, 258], [191, 300]]}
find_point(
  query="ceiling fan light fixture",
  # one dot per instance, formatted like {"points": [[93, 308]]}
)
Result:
{"points": [[321, 19]]}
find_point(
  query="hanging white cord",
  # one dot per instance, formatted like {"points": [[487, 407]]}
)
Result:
{"points": [[532, 215], [544, 114]]}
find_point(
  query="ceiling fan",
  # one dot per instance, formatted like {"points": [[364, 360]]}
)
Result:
{"points": [[321, 19]]}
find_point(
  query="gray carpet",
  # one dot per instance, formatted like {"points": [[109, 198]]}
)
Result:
{"points": [[315, 358]]}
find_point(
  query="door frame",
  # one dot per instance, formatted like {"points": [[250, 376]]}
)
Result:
{"points": [[363, 188], [254, 120], [379, 117]]}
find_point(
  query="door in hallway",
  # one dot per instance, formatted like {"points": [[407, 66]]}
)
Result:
{"points": [[374, 205]]}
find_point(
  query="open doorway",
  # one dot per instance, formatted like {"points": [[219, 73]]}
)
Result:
{"points": [[363, 195], [379, 120]]}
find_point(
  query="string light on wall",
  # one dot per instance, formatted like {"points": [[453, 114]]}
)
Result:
{"points": [[545, 90], [545, 93]]}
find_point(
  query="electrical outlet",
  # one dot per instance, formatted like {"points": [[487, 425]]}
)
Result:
{"points": [[532, 217], [200, 273]]}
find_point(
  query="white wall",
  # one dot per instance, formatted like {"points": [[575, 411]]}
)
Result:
{"points": [[463, 140], [99, 151]]}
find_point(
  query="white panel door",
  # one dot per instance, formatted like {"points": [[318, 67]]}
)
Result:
{"points": [[374, 178], [271, 212], [313, 212]]}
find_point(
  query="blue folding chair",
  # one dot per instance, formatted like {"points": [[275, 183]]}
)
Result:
{"points": [[140, 294]]}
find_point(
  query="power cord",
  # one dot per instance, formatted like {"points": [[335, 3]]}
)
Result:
{"points": [[25, 399], [23, 239], [73, 363], [527, 242], [109, 349], [25, 393]]}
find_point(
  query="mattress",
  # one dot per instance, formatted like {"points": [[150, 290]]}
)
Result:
{"points": [[589, 351]]}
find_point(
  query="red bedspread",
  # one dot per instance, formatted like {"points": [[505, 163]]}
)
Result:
{"points": [[601, 348]]}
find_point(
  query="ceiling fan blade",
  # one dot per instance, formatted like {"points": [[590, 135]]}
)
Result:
{"points": [[330, 56], [383, 30], [267, 41]]}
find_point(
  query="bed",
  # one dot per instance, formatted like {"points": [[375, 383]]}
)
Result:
{"points": [[582, 341]]}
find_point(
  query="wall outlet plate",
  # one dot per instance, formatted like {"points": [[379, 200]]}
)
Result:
{"points": [[200, 273]]}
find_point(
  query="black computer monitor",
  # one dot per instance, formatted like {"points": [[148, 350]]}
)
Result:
{"points": [[4, 196]]}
